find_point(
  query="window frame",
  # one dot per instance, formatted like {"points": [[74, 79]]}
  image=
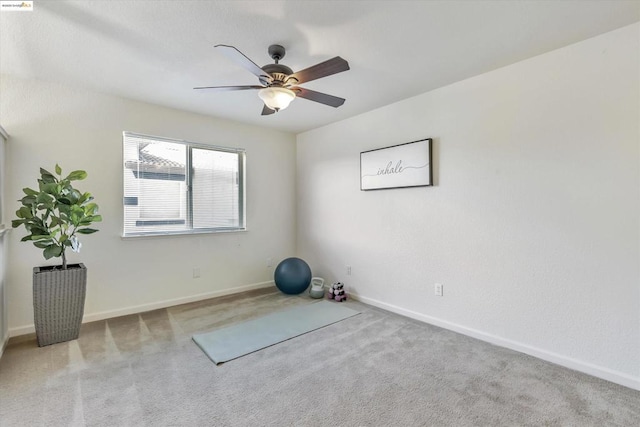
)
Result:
{"points": [[4, 137], [189, 146]]}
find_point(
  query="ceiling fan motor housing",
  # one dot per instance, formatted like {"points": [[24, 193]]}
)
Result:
{"points": [[279, 73]]}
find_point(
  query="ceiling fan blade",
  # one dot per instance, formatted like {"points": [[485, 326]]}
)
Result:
{"points": [[320, 97], [323, 69], [239, 58], [225, 88], [266, 111]]}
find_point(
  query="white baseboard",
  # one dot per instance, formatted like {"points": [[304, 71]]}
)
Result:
{"points": [[575, 364], [92, 317]]}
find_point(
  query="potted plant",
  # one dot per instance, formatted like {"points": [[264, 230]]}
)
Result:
{"points": [[54, 216]]}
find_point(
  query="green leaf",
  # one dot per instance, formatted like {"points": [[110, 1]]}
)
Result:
{"points": [[17, 223], [44, 198], [28, 200], [47, 177], [24, 212], [43, 244], [74, 195], [26, 238], [49, 188], [39, 231], [86, 230], [65, 210], [30, 191], [52, 251], [76, 175], [90, 208], [86, 197], [96, 218], [58, 169]]}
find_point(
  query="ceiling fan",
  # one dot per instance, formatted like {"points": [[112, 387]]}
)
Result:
{"points": [[278, 83]]}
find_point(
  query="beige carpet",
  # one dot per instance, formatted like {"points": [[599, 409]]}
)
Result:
{"points": [[374, 369]]}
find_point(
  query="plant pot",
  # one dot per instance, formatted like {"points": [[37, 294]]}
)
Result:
{"points": [[58, 302]]}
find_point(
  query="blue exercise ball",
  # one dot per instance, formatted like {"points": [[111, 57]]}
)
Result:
{"points": [[292, 276]]}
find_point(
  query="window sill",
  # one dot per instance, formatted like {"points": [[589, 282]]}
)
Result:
{"points": [[181, 234]]}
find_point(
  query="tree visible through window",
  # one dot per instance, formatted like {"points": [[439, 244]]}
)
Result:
{"points": [[174, 187]]}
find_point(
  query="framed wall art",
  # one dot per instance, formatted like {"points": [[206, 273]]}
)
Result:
{"points": [[398, 166]]}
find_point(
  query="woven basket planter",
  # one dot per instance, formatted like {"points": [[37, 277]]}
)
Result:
{"points": [[58, 303]]}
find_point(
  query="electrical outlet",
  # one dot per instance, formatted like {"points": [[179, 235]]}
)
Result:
{"points": [[348, 270], [269, 262], [438, 290], [196, 273]]}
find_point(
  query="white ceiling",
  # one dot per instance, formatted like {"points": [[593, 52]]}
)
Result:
{"points": [[157, 51]]}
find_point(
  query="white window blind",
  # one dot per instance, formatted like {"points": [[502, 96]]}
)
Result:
{"points": [[179, 187]]}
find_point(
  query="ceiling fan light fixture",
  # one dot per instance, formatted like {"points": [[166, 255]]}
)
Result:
{"points": [[277, 98]]}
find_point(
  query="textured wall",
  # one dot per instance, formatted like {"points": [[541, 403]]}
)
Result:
{"points": [[83, 130], [533, 224]]}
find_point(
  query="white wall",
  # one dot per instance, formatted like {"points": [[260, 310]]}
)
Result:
{"points": [[49, 123], [533, 224]]}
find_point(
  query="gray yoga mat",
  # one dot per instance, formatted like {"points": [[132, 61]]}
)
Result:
{"points": [[243, 338]]}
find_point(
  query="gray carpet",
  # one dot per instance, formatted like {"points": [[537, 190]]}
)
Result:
{"points": [[374, 369]]}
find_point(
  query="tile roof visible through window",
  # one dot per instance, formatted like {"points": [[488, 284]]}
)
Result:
{"points": [[163, 161], [161, 155]]}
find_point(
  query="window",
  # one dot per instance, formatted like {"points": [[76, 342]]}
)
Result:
{"points": [[179, 187]]}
